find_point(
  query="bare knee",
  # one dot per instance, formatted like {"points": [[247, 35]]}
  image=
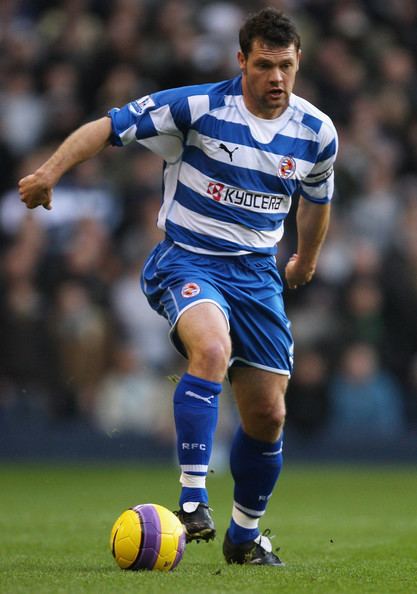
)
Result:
{"points": [[265, 423], [204, 333], [260, 397], [210, 358], [277, 421]]}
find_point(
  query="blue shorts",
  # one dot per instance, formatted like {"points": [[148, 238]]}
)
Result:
{"points": [[247, 289]]}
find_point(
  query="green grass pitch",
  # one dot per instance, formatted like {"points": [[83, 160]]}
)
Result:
{"points": [[341, 530]]}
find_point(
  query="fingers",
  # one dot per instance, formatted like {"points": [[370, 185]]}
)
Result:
{"points": [[34, 194], [290, 273], [26, 183], [297, 284], [295, 279], [298, 274], [24, 189], [290, 282]]}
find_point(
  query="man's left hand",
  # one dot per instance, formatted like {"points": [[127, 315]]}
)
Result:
{"points": [[298, 273]]}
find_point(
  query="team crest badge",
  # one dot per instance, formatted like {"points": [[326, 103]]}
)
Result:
{"points": [[190, 290], [286, 167]]}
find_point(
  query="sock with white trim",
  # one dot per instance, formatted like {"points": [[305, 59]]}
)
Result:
{"points": [[255, 467], [195, 413]]}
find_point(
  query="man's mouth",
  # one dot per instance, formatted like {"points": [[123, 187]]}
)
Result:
{"points": [[276, 93]]}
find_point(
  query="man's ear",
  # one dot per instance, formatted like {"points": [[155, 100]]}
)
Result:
{"points": [[299, 56], [241, 60]]}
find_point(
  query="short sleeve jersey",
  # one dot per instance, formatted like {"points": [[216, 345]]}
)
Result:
{"points": [[229, 176]]}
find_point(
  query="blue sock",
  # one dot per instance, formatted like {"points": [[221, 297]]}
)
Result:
{"points": [[255, 467], [195, 413]]}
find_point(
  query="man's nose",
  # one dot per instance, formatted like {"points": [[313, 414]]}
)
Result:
{"points": [[276, 75]]}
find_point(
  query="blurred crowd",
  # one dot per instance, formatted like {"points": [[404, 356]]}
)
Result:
{"points": [[77, 337]]}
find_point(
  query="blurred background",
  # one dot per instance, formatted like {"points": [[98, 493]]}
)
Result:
{"points": [[85, 364]]}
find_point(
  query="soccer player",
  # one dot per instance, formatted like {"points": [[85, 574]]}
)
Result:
{"points": [[235, 154]]}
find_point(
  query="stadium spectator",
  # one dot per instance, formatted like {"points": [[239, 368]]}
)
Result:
{"points": [[125, 399], [139, 326], [363, 312], [82, 338], [365, 401], [308, 399], [25, 353], [23, 112]]}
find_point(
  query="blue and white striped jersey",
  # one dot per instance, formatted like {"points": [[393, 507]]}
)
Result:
{"points": [[229, 176]]}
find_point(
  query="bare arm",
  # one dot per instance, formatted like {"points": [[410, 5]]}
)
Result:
{"points": [[312, 224], [88, 140]]}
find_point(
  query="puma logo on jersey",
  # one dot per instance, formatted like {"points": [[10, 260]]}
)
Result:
{"points": [[199, 397], [228, 151]]}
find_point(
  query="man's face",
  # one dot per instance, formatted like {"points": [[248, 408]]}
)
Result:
{"points": [[268, 77]]}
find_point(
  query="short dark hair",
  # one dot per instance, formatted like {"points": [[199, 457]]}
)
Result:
{"points": [[270, 25]]}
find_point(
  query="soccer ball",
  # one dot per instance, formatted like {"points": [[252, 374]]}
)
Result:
{"points": [[147, 536]]}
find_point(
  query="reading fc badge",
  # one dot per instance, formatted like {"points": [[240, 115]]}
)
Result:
{"points": [[190, 290], [286, 167]]}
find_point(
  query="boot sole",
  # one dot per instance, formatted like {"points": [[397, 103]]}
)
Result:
{"points": [[204, 534]]}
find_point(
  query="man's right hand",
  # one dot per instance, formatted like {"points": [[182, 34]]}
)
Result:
{"points": [[88, 140], [34, 191]]}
